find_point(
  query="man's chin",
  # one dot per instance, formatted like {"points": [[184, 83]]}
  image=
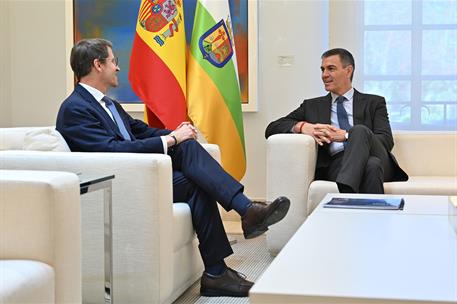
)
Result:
{"points": [[328, 88]]}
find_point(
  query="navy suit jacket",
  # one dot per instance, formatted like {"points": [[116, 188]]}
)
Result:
{"points": [[368, 110], [87, 127]]}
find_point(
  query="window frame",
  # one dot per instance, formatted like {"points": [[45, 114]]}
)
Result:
{"points": [[416, 104]]}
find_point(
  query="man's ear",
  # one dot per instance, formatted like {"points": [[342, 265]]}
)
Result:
{"points": [[97, 64], [350, 70]]}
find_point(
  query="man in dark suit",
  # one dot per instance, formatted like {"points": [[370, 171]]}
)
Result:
{"points": [[91, 121], [351, 129]]}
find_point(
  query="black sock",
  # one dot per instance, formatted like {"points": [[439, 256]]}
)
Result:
{"points": [[216, 269]]}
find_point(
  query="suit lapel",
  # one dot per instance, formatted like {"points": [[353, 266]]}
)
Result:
{"points": [[106, 119], [324, 109], [358, 107]]}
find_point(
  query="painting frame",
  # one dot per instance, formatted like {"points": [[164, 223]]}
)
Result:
{"points": [[251, 105], [252, 53]]}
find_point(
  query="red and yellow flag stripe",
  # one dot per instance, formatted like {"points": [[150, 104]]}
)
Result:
{"points": [[158, 61]]}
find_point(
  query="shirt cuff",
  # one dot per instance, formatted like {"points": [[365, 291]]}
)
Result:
{"points": [[164, 143]]}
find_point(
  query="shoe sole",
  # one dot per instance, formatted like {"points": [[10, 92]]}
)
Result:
{"points": [[278, 214], [219, 293]]}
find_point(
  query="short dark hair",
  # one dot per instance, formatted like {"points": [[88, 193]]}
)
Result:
{"points": [[85, 51], [345, 57]]}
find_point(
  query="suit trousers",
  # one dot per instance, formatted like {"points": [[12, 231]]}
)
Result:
{"points": [[201, 182], [364, 165]]}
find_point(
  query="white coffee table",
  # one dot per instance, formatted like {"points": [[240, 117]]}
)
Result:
{"points": [[367, 256]]}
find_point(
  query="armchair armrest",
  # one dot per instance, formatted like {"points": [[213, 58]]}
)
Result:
{"points": [[291, 162], [40, 221]]}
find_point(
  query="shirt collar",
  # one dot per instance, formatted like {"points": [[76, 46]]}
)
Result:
{"points": [[93, 91], [349, 94]]}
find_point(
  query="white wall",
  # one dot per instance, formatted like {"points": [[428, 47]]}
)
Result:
{"points": [[299, 30], [40, 34], [349, 36], [37, 76], [5, 96]]}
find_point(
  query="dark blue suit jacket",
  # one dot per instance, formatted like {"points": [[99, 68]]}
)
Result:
{"points": [[87, 127]]}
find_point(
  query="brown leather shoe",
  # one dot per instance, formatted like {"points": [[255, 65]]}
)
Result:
{"points": [[229, 284], [260, 215]]}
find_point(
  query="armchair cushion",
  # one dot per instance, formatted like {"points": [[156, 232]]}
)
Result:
{"points": [[32, 138], [182, 221], [44, 139], [26, 281]]}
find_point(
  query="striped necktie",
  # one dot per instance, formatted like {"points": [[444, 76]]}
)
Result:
{"points": [[117, 118]]}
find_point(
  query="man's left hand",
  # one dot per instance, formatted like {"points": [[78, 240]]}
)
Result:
{"points": [[185, 131], [331, 134], [338, 135]]}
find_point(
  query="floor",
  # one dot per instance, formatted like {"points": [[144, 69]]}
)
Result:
{"points": [[250, 257]]}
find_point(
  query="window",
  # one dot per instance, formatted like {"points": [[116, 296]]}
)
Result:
{"points": [[409, 56]]}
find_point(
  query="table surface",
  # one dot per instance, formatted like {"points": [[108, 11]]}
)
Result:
{"points": [[87, 179], [367, 256]]}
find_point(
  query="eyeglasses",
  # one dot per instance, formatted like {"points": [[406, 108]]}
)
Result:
{"points": [[114, 60]]}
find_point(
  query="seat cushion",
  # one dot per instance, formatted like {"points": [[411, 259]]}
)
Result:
{"points": [[317, 190], [424, 185], [44, 139], [183, 230], [25, 281]]}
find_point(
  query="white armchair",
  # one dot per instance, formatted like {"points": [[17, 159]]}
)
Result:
{"points": [[429, 158], [40, 237], [155, 252]]}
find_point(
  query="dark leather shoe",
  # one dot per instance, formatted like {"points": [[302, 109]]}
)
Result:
{"points": [[260, 215], [229, 284]]}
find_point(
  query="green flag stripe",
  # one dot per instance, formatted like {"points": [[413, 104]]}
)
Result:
{"points": [[227, 86]]}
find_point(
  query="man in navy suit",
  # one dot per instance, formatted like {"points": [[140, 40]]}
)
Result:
{"points": [[351, 129], [91, 121]]}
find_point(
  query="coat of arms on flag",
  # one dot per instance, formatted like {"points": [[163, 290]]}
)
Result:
{"points": [[158, 15], [158, 62], [216, 44]]}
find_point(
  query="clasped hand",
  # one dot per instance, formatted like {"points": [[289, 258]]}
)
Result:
{"points": [[185, 131], [324, 133]]}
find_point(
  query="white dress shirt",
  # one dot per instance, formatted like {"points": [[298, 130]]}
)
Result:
{"points": [[336, 147], [98, 97]]}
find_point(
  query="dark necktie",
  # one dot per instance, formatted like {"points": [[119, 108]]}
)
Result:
{"points": [[117, 118], [343, 119]]}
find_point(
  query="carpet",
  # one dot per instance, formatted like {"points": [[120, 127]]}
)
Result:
{"points": [[250, 257]]}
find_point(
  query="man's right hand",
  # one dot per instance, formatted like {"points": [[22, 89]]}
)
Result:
{"points": [[320, 132], [185, 131]]}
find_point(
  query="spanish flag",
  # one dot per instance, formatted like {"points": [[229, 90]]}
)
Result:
{"points": [[158, 62], [213, 92]]}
